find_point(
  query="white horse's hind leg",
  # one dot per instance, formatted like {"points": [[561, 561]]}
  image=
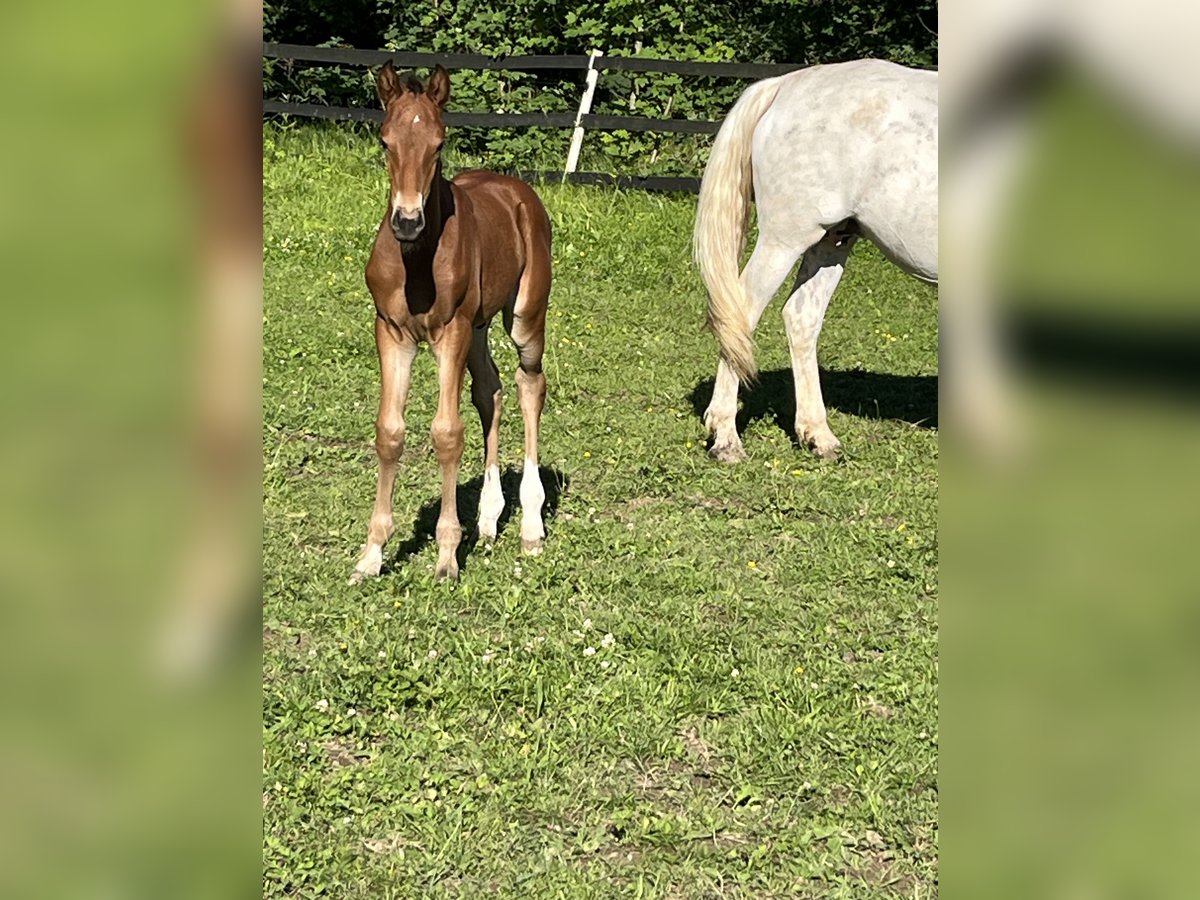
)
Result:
{"points": [[721, 417], [803, 315], [764, 273]]}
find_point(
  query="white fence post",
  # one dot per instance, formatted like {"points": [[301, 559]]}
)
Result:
{"points": [[585, 106]]}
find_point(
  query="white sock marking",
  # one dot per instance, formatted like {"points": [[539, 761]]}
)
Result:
{"points": [[533, 495], [491, 502]]}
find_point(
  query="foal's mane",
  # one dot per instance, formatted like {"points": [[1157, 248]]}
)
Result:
{"points": [[409, 81]]}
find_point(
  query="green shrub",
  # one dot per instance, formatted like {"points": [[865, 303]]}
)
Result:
{"points": [[776, 31]]}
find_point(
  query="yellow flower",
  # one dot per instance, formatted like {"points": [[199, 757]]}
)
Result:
{"points": [[587, 454], [751, 565], [799, 670]]}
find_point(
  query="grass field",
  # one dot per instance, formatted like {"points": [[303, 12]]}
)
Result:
{"points": [[716, 681]]}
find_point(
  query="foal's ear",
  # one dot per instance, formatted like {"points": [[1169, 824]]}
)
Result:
{"points": [[387, 82], [439, 87]]}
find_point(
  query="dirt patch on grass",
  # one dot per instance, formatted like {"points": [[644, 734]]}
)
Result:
{"points": [[284, 643], [323, 441], [874, 863], [696, 746], [342, 756], [839, 796], [850, 657], [623, 512], [392, 843], [669, 782], [725, 840], [618, 856], [873, 707], [878, 868]]}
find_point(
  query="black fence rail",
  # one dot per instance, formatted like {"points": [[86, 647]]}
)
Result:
{"points": [[594, 64], [349, 57]]}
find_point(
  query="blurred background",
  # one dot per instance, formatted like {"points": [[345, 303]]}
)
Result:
{"points": [[1070, 193], [129, 497]]}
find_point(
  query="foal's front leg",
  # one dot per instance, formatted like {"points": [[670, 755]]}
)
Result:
{"points": [[396, 354], [451, 351]]}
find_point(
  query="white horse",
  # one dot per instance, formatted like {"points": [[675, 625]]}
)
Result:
{"points": [[833, 152]]}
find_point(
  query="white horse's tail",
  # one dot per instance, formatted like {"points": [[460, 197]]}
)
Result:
{"points": [[720, 234]]}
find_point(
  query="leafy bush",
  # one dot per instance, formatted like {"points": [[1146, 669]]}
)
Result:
{"points": [[786, 31]]}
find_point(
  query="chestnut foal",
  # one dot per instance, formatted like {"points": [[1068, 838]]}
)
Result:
{"points": [[448, 256]]}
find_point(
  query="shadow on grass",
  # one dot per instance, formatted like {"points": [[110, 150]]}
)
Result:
{"points": [[554, 483], [871, 395]]}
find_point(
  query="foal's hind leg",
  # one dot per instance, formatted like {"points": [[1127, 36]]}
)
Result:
{"points": [[803, 315], [527, 328], [486, 395], [531, 389], [764, 273]]}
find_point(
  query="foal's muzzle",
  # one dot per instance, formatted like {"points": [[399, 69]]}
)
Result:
{"points": [[407, 224]]}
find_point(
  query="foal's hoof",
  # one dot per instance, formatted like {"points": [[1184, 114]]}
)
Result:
{"points": [[358, 576], [730, 452], [532, 546], [446, 572], [367, 567]]}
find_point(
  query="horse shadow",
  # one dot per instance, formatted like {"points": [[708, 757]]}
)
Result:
{"points": [[554, 483], [872, 395]]}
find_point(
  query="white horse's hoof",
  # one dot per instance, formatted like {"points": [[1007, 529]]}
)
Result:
{"points": [[819, 439], [730, 452], [826, 449]]}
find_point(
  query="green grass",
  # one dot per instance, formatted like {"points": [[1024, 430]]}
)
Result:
{"points": [[763, 719]]}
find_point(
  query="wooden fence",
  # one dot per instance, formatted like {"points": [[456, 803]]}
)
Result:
{"points": [[594, 64]]}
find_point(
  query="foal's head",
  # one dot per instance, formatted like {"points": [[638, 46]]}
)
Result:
{"points": [[411, 136]]}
